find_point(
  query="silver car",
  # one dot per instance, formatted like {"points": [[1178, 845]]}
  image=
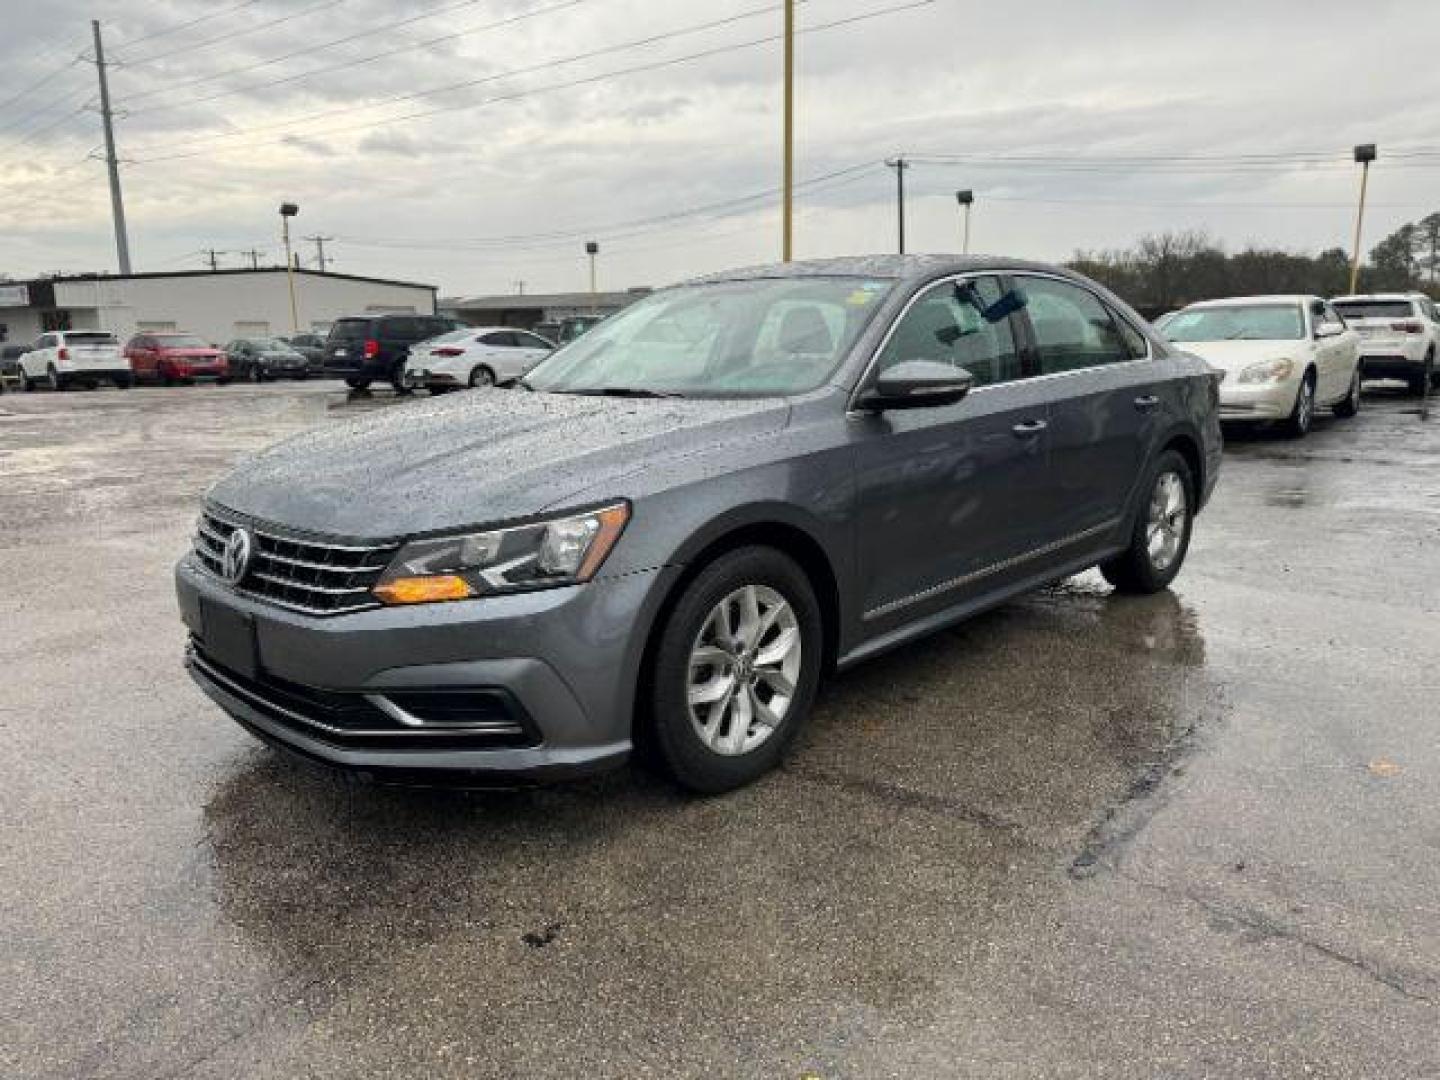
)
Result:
{"points": [[675, 526]]}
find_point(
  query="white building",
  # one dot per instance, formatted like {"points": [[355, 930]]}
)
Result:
{"points": [[217, 305]]}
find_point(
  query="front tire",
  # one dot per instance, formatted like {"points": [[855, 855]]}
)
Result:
{"points": [[54, 379], [1297, 426], [357, 384], [26, 383], [1160, 538], [735, 674], [1349, 405]]}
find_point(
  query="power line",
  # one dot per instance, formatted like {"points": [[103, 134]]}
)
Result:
{"points": [[535, 91], [27, 91], [253, 28], [338, 66], [496, 76], [186, 26], [310, 49]]}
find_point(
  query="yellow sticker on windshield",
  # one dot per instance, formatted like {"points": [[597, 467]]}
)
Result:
{"points": [[860, 297]]}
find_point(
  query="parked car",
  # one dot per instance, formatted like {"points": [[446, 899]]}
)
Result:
{"points": [[10, 362], [475, 356], [575, 326], [1280, 357], [310, 346], [677, 524], [173, 356], [258, 359], [1399, 333], [369, 348], [65, 357]]}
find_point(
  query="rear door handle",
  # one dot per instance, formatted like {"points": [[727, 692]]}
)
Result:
{"points": [[1146, 403], [1029, 428]]}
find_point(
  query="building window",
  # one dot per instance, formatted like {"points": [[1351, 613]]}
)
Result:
{"points": [[54, 320]]}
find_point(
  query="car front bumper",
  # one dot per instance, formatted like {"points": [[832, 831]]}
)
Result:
{"points": [[1257, 401], [566, 659]]}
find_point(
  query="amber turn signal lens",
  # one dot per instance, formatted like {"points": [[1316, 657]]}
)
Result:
{"points": [[612, 524], [424, 590]]}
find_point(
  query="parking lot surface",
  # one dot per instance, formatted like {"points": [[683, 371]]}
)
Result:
{"points": [[1193, 834]]}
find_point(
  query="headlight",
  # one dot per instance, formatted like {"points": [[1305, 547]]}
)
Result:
{"points": [[1267, 371], [560, 551]]}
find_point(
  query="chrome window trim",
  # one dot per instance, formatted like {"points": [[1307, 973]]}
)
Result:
{"points": [[948, 279], [892, 606]]}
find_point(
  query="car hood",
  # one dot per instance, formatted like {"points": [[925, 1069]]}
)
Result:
{"points": [[476, 458], [1234, 356]]}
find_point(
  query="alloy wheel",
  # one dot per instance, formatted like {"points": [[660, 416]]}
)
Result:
{"points": [[1167, 520], [744, 667], [1305, 407]]}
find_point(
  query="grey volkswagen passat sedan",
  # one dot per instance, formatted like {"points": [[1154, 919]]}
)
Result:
{"points": [[679, 522]]}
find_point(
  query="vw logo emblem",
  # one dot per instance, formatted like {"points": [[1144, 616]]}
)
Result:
{"points": [[235, 559]]}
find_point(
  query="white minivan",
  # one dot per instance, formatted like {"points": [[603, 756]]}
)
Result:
{"points": [[75, 356]]}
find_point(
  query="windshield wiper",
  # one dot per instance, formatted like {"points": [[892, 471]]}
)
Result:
{"points": [[622, 391]]}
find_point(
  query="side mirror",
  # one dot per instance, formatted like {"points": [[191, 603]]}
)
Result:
{"points": [[1328, 330], [916, 384]]}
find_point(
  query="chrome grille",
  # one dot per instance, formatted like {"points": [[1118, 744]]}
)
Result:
{"points": [[299, 573]]}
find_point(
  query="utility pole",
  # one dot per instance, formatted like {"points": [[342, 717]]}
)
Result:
{"points": [[519, 288], [319, 242], [287, 211], [899, 164], [212, 257], [787, 228], [112, 163], [1364, 155], [254, 256]]}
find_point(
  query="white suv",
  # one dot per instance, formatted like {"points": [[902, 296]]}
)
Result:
{"points": [[1399, 335], [70, 356]]}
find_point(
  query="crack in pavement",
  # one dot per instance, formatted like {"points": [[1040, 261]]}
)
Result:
{"points": [[910, 798]]}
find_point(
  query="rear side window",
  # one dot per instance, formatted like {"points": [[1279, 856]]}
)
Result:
{"points": [[965, 324], [531, 341], [499, 337], [1072, 328], [1376, 309], [350, 330]]}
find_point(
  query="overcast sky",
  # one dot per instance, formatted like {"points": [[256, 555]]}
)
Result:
{"points": [[503, 179]]}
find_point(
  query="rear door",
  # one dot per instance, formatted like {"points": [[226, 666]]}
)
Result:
{"points": [[1106, 399], [950, 501]]}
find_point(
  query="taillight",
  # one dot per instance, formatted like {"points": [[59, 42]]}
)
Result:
{"points": [[64, 353], [1408, 327], [448, 351], [372, 348]]}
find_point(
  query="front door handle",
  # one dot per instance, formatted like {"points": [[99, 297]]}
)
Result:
{"points": [[1029, 429], [1147, 402]]}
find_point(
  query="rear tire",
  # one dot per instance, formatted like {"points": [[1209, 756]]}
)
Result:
{"points": [[1160, 537], [481, 377], [749, 628], [1349, 405], [357, 384], [124, 382], [1297, 426], [26, 383], [54, 379]]}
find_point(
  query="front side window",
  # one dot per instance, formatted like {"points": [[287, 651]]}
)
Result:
{"points": [[1238, 322], [1072, 328], [965, 324], [761, 337]]}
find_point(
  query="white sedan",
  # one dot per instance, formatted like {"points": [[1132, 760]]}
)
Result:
{"points": [[474, 356], [1279, 357]]}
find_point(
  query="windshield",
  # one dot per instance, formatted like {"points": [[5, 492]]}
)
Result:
{"points": [[181, 341], [760, 338], [1257, 322], [270, 344], [1376, 309]]}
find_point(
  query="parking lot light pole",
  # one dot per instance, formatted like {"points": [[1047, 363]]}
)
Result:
{"points": [[899, 164], [593, 249], [1364, 155], [287, 211], [966, 199]]}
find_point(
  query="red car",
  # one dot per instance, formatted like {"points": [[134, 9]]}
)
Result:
{"points": [[173, 357]]}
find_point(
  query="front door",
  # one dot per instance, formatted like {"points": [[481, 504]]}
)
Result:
{"points": [[950, 500]]}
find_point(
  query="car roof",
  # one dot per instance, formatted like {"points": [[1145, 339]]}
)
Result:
{"points": [[890, 267], [1384, 297], [1246, 301]]}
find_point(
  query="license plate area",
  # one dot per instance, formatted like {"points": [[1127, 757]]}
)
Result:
{"points": [[229, 638]]}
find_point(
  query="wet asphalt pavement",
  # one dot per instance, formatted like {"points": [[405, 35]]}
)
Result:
{"points": [[1187, 835]]}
